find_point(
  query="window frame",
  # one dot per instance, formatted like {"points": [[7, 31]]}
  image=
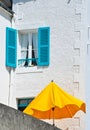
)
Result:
{"points": [[30, 32], [38, 60]]}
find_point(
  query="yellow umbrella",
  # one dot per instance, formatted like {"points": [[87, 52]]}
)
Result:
{"points": [[54, 103]]}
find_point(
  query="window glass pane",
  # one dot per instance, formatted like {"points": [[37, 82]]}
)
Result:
{"points": [[24, 45], [29, 48]]}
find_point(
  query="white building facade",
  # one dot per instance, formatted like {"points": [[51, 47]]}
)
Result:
{"points": [[48, 43], [5, 20], [88, 67]]}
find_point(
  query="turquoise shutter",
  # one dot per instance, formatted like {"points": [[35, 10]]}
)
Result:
{"points": [[11, 47], [43, 46]]}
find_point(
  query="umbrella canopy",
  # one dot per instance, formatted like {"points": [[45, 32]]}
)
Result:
{"points": [[54, 103]]}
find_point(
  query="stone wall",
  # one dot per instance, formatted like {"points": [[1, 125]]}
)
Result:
{"points": [[11, 119]]}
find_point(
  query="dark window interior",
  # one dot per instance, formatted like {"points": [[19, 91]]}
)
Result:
{"points": [[23, 103]]}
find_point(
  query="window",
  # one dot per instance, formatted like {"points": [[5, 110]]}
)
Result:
{"points": [[23, 103], [33, 47]]}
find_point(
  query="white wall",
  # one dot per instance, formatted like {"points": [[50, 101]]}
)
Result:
{"points": [[67, 49], [88, 68], [5, 21]]}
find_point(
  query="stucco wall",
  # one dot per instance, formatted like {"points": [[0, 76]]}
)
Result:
{"points": [[5, 20], [67, 45], [30, 81], [60, 17], [11, 119], [67, 50], [88, 67]]}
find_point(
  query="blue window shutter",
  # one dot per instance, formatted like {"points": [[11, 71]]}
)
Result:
{"points": [[11, 47], [43, 46]]}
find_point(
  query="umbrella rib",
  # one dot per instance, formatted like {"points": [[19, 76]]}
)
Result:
{"points": [[69, 111]]}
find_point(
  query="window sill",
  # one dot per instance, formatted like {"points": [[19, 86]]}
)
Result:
{"points": [[25, 70]]}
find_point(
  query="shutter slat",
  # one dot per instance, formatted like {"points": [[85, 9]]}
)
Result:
{"points": [[11, 47], [43, 46]]}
